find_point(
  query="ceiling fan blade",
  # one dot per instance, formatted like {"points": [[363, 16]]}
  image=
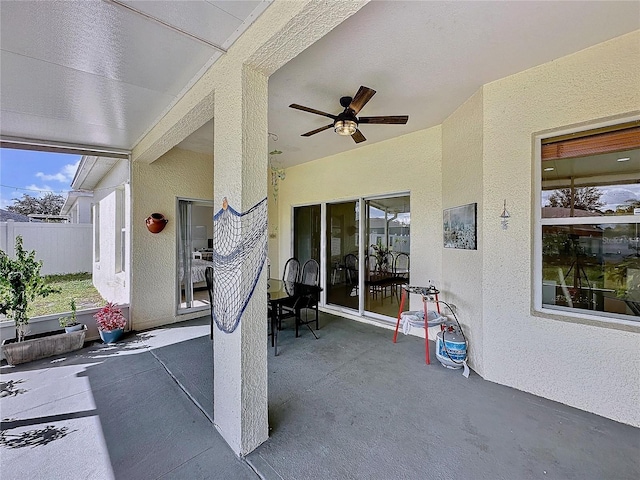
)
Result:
{"points": [[363, 95], [317, 130], [396, 120], [358, 137], [312, 110]]}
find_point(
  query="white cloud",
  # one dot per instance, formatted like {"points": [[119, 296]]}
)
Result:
{"points": [[5, 202], [40, 190], [65, 175], [614, 196], [58, 177]]}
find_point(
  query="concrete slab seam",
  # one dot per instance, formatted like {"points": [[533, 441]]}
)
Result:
{"points": [[263, 468], [182, 387]]}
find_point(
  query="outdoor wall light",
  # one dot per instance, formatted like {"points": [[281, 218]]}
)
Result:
{"points": [[505, 216], [345, 127]]}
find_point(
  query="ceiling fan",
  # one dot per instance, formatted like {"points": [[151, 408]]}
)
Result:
{"points": [[346, 123]]}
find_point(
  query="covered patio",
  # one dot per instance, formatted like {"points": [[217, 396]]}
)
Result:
{"points": [[484, 84], [351, 405]]}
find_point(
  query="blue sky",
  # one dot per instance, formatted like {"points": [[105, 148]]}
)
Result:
{"points": [[34, 173]]}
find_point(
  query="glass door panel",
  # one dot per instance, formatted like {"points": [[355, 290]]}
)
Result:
{"points": [[387, 242], [306, 233], [194, 253], [342, 254]]}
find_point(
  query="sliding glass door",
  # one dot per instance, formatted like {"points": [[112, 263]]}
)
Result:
{"points": [[306, 233], [342, 265], [194, 253], [387, 262]]}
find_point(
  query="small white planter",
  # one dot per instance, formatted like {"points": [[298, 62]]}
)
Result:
{"points": [[74, 328]]}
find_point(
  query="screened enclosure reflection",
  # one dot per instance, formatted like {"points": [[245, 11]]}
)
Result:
{"points": [[592, 267]]}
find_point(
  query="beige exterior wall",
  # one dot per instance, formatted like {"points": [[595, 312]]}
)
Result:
{"points": [[155, 187], [411, 163], [484, 153], [591, 367], [462, 184]]}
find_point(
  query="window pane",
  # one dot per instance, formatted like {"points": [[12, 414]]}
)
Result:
{"points": [[596, 185], [343, 224], [592, 267]]}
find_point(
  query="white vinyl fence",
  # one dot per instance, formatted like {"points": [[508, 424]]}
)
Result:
{"points": [[62, 247]]}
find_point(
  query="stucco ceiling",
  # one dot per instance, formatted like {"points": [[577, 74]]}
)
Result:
{"points": [[92, 72], [425, 59]]}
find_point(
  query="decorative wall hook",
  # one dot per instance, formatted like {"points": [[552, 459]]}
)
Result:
{"points": [[505, 216]]}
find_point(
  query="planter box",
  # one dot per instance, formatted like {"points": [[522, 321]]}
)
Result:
{"points": [[49, 323], [47, 346]]}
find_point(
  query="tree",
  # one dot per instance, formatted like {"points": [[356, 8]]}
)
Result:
{"points": [[20, 284], [584, 198], [628, 207], [50, 204]]}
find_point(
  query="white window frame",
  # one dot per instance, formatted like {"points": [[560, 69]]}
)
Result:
{"points": [[539, 222]]}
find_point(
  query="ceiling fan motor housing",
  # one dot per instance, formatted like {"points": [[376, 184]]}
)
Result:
{"points": [[345, 101]]}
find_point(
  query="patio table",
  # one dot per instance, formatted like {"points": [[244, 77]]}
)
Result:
{"points": [[285, 294]]}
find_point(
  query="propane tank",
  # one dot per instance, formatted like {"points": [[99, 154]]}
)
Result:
{"points": [[451, 347]]}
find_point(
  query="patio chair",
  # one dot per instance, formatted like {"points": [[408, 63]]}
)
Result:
{"points": [[351, 272], [401, 266], [401, 270], [208, 275], [310, 276], [291, 271]]}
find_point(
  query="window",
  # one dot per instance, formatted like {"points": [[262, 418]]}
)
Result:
{"points": [[96, 232], [590, 222]]}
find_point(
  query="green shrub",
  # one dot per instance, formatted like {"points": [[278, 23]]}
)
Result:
{"points": [[20, 284]]}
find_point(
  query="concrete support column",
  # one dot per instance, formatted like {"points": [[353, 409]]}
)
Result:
{"points": [[240, 357]]}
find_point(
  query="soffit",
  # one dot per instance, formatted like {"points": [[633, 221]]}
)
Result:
{"points": [[91, 170]]}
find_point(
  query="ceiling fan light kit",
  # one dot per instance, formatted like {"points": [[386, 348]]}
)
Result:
{"points": [[346, 123], [345, 127]]}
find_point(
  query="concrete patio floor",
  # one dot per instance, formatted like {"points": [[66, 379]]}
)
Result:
{"points": [[351, 405]]}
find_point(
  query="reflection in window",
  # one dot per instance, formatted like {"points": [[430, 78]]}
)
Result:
{"points": [[590, 216], [592, 267]]}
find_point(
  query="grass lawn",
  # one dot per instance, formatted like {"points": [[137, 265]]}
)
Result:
{"points": [[75, 285]]}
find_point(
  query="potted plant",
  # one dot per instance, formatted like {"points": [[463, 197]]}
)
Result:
{"points": [[69, 322], [382, 255], [20, 284], [111, 322]]}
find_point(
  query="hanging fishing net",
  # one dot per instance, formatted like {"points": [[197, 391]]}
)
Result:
{"points": [[239, 253]]}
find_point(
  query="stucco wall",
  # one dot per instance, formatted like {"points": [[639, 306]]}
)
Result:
{"points": [[112, 283], [80, 212], [155, 187], [594, 368], [462, 184], [407, 163]]}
